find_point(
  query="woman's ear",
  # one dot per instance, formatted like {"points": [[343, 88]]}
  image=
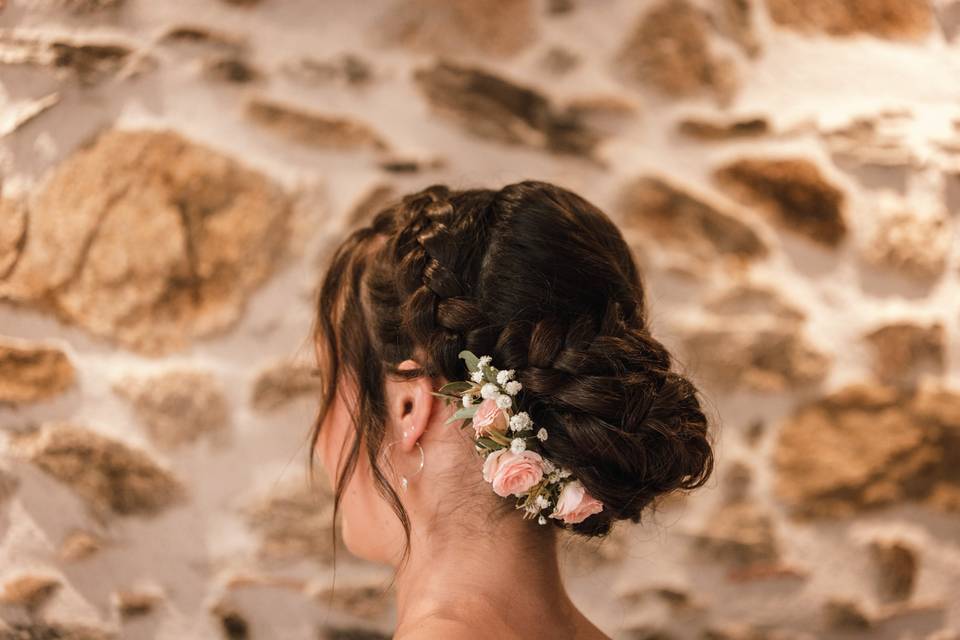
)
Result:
{"points": [[410, 406]]}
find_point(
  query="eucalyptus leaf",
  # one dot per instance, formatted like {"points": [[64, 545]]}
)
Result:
{"points": [[471, 360], [463, 412], [488, 443], [456, 386]]}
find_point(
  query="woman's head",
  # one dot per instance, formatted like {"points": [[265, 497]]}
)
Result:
{"points": [[541, 280]]}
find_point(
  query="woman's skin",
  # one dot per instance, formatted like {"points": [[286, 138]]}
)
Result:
{"points": [[471, 575]]}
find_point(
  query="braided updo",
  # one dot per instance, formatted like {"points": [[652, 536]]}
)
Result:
{"points": [[543, 281]]}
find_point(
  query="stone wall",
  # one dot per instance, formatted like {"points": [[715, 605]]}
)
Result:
{"points": [[174, 174]]}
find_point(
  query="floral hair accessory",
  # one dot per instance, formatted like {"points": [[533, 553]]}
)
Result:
{"points": [[509, 443]]}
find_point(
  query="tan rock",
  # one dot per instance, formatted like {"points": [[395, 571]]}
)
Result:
{"points": [[733, 18], [896, 568], [314, 129], [112, 476], [31, 371], [89, 61], [666, 214], [740, 533], [163, 242], [13, 233], [746, 300], [903, 351], [79, 544], [844, 614], [293, 522], [897, 19], [767, 359], [178, 407], [669, 50], [347, 68], [906, 442], [230, 68], [495, 108], [792, 191], [714, 130], [916, 245], [37, 629], [455, 27], [283, 382], [132, 603], [29, 590]]}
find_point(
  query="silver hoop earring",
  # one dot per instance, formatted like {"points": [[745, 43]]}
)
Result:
{"points": [[404, 481]]}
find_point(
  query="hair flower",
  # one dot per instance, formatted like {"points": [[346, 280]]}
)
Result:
{"points": [[512, 465]]}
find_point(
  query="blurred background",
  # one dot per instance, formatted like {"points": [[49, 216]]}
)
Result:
{"points": [[174, 175]]}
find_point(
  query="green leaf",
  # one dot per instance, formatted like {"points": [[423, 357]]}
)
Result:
{"points": [[446, 396], [471, 360], [462, 413], [456, 387], [488, 443]]}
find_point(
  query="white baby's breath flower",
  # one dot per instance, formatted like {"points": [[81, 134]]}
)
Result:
{"points": [[542, 434], [488, 391], [467, 400], [517, 445], [513, 387], [541, 501], [504, 401], [477, 376], [565, 473], [520, 421], [503, 376], [542, 520], [548, 467], [483, 360]]}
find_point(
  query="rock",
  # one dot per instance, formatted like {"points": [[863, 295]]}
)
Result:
{"points": [[456, 27], [895, 19], [367, 600], [915, 245], [88, 61], [904, 351], [112, 476], [78, 545], [764, 359], [31, 371], [747, 301], [13, 233], [135, 603], [232, 622], [293, 522], [907, 444], [792, 191], [669, 50], [881, 139], [282, 383], [491, 107], [314, 129], [713, 130], [178, 407], [739, 533], [896, 569], [230, 69], [370, 203], [559, 61], [843, 614], [348, 68], [53, 631], [9, 484], [665, 214], [733, 19], [203, 36], [92, 6], [162, 242], [29, 590]]}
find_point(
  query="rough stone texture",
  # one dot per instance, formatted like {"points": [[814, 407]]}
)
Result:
{"points": [[112, 476], [663, 213], [313, 129], [178, 407], [31, 371], [164, 242], [283, 382], [703, 129], [740, 533], [896, 568], [907, 443], [898, 19], [29, 590], [669, 50], [90, 62], [57, 631], [135, 603], [293, 523], [457, 27], [745, 300], [733, 18], [769, 359], [78, 545], [914, 245], [348, 68], [13, 233], [793, 191], [904, 351], [492, 107]]}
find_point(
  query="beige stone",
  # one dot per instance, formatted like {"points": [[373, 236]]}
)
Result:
{"points": [[667, 215], [669, 50], [745, 300], [282, 383], [457, 27], [29, 590], [492, 107], [13, 233], [313, 129], [162, 243], [113, 477], [79, 544], [903, 351], [715, 130], [294, 522], [32, 371], [178, 407], [896, 565], [867, 446], [739, 532], [915, 245], [897, 19], [793, 191], [89, 61]]}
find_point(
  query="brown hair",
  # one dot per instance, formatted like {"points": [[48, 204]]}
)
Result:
{"points": [[543, 281]]}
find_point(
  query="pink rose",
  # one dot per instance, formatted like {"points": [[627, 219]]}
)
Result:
{"points": [[512, 473], [575, 504], [489, 417]]}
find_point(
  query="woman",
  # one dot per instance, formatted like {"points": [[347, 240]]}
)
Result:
{"points": [[567, 415]]}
